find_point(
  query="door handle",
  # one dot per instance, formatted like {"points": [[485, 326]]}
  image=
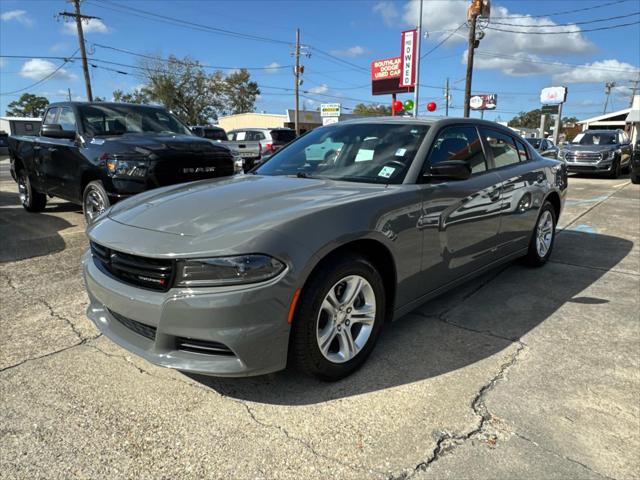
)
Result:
{"points": [[494, 194]]}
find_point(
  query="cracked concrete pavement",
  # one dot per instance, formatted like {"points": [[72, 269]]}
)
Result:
{"points": [[523, 373]]}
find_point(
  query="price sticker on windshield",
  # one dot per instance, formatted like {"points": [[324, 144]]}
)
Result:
{"points": [[386, 172]]}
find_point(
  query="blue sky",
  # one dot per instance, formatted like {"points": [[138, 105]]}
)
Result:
{"points": [[513, 65]]}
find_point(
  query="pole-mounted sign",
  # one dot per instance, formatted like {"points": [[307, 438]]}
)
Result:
{"points": [[408, 58]]}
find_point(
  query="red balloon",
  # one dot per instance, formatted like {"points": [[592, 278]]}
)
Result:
{"points": [[431, 106], [396, 106]]}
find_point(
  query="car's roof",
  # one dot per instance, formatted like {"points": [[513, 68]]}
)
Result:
{"points": [[602, 130], [422, 121]]}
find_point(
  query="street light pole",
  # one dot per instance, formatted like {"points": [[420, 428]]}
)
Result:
{"points": [[416, 88]]}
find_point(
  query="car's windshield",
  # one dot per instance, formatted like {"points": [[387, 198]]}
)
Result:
{"points": [[594, 139], [363, 152], [534, 142], [100, 120]]}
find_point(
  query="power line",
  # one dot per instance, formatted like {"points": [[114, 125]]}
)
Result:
{"points": [[443, 41], [184, 23], [216, 67], [611, 27], [564, 12], [566, 24], [42, 80]]}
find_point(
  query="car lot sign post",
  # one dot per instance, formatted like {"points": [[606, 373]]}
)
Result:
{"points": [[330, 112], [408, 58], [554, 96]]}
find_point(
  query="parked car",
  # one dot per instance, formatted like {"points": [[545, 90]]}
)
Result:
{"points": [[635, 164], [544, 146], [210, 133], [598, 151], [304, 260], [95, 154], [254, 143], [4, 144]]}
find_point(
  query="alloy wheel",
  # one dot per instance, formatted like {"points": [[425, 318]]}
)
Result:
{"points": [[346, 318], [23, 189], [544, 233], [94, 204]]}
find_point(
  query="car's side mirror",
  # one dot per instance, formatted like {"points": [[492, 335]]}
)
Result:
{"points": [[56, 131], [449, 170]]}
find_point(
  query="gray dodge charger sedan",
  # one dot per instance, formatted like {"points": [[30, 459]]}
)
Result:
{"points": [[302, 260]]}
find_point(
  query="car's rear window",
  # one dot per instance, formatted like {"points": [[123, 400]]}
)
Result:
{"points": [[215, 134], [283, 136]]}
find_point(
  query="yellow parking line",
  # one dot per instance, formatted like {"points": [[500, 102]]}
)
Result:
{"points": [[620, 185]]}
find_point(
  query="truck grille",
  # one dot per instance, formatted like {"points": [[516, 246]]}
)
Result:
{"points": [[169, 171], [150, 273], [586, 157]]}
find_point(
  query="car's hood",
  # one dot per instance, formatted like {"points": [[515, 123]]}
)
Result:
{"points": [[589, 148], [244, 203]]}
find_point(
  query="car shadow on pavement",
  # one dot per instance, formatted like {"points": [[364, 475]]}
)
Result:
{"points": [[26, 235], [458, 329]]}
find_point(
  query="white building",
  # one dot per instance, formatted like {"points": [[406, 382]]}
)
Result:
{"points": [[20, 125], [627, 119]]}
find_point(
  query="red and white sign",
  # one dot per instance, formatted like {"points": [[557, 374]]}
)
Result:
{"points": [[385, 68], [408, 58]]}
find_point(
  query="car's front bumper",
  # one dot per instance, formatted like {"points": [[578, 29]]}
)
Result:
{"points": [[250, 320], [603, 166]]}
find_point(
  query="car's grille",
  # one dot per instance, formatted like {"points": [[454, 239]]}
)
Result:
{"points": [[205, 347], [140, 328], [143, 272], [586, 157], [169, 171]]}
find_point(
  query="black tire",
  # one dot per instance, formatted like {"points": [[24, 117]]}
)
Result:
{"points": [[615, 169], [31, 199], [305, 352], [534, 258], [635, 177], [94, 201]]}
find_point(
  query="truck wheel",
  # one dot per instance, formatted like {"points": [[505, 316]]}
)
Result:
{"points": [[94, 201], [31, 199], [635, 177], [338, 319]]}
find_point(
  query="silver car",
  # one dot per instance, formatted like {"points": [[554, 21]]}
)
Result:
{"points": [[303, 261]]}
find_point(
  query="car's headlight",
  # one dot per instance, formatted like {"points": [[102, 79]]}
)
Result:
{"points": [[219, 271], [561, 154], [127, 168]]}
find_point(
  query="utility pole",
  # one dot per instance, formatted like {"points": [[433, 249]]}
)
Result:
{"points": [[79, 18], [416, 88], [543, 122], [470, 51], [607, 90], [297, 78], [633, 91], [69, 92], [446, 99]]}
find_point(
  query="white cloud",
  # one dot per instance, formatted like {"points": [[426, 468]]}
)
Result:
{"points": [[324, 88], [3, 62], [388, 11], [38, 68], [17, 15], [350, 52], [93, 25], [59, 47], [273, 67], [599, 71]]}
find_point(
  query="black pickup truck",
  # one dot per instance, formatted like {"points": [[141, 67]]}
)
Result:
{"points": [[95, 154]]}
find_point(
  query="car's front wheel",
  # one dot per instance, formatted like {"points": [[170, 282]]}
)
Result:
{"points": [[616, 169], [635, 177], [544, 233], [338, 319], [94, 201], [31, 199]]}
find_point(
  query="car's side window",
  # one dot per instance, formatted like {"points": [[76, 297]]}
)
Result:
{"points": [[50, 116], [502, 146], [459, 143], [241, 136], [523, 152], [67, 119]]}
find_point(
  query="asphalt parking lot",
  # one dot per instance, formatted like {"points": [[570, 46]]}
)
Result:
{"points": [[523, 373]]}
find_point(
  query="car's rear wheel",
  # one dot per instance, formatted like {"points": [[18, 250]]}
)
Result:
{"points": [[338, 319], [94, 201], [31, 199], [635, 177], [543, 237]]}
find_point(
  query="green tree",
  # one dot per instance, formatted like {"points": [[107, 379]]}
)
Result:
{"points": [[530, 119], [372, 109], [140, 95], [240, 93], [28, 105]]}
